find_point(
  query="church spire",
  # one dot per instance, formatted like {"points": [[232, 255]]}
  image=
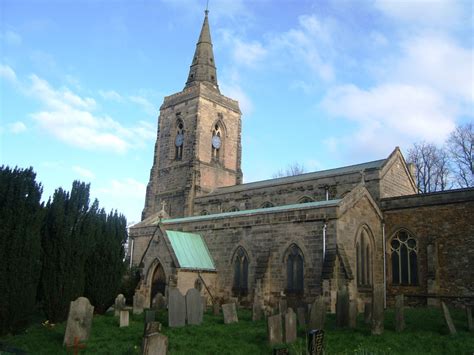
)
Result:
{"points": [[203, 68]]}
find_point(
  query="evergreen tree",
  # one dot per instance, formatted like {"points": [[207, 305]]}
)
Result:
{"points": [[66, 245], [20, 246]]}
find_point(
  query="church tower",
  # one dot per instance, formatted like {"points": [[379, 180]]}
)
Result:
{"points": [[198, 146]]}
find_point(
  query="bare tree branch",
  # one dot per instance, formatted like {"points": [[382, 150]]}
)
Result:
{"points": [[461, 149], [291, 170]]}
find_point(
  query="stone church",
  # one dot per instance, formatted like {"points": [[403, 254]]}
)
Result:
{"points": [[297, 237]]}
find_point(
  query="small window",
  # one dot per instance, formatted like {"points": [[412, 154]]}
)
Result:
{"points": [[364, 259], [266, 204], [294, 270], [241, 272], [305, 199], [204, 213], [404, 250], [233, 209]]}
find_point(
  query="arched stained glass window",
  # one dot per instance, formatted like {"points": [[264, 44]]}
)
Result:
{"points": [[241, 272], [404, 250], [294, 270]]}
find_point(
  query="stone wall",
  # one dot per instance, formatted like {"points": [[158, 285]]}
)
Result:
{"points": [[442, 225]]}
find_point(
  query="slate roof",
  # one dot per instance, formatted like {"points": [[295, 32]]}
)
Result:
{"points": [[190, 250]]}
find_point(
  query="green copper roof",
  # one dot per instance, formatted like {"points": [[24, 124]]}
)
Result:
{"points": [[190, 250]]}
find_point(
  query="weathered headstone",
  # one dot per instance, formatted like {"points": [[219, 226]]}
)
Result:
{"points": [[234, 300], [152, 327], [301, 316], [216, 309], [150, 316], [377, 309], [368, 313], [119, 304], [158, 302], [194, 308], [353, 314], [318, 314], [342, 307], [315, 342], [155, 344], [230, 313], [124, 318], [138, 303], [399, 313], [176, 308], [282, 306], [257, 311], [290, 326], [448, 319], [79, 321], [470, 322], [275, 335]]}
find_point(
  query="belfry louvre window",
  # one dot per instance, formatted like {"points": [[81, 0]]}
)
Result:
{"points": [[364, 259], [294, 270], [404, 259], [241, 273]]}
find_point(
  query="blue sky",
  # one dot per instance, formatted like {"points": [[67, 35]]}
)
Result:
{"points": [[321, 83]]}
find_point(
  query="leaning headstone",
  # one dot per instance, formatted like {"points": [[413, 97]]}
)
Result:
{"points": [[377, 310], [79, 321], [342, 307], [315, 342], [399, 313], [352, 314], [470, 322], [155, 344], [282, 306], [230, 313], [194, 308], [138, 303], [290, 326], [124, 318], [158, 302], [448, 319], [301, 316], [368, 313], [275, 335], [176, 308], [119, 304], [150, 316], [318, 314], [216, 309]]}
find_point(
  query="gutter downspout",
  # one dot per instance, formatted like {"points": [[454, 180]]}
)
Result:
{"points": [[384, 268]]}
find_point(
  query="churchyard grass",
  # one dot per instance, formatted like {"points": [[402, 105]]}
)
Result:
{"points": [[426, 333]]}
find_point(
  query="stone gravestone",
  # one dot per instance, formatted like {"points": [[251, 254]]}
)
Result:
{"points": [[377, 310], [153, 342], [194, 308], [399, 313], [158, 302], [256, 311], [353, 314], [152, 327], [318, 314], [119, 304], [368, 313], [124, 318], [230, 313], [79, 321], [149, 316], [282, 306], [216, 309], [138, 303], [448, 319], [301, 316], [290, 326], [470, 322], [342, 307], [275, 335], [315, 342], [176, 308]]}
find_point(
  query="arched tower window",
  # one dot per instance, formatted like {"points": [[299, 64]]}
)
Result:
{"points": [[179, 140], [241, 272], [364, 256], [216, 142], [404, 259], [294, 270], [266, 204]]}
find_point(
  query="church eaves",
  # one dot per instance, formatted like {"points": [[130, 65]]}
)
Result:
{"points": [[203, 69]]}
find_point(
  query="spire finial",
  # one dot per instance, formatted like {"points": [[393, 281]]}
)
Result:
{"points": [[207, 8]]}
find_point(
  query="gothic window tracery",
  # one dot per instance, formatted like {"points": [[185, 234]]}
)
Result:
{"points": [[179, 140], [404, 251], [364, 258], [294, 270], [241, 272]]}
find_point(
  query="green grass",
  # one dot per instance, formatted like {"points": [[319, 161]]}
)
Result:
{"points": [[426, 333]]}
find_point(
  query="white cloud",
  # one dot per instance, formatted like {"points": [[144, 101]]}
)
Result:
{"points": [[83, 172], [235, 91], [8, 73], [248, 53], [111, 95], [146, 105], [11, 37], [17, 127]]}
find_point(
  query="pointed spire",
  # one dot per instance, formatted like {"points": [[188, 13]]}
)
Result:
{"points": [[203, 68]]}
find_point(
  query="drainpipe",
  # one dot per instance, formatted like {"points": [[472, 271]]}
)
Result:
{"points": [[131, 252], [384, 268], [324, 240]]}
